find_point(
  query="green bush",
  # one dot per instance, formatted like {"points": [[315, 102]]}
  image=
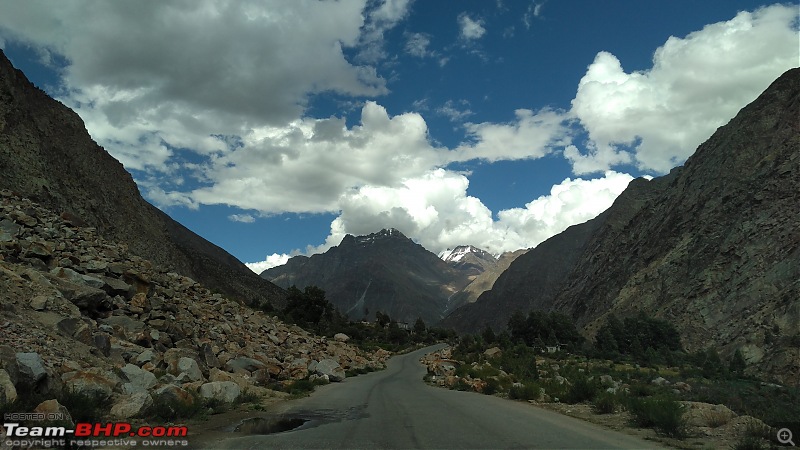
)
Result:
{"points": [[492, 386], [582, 390], [171, 410], [663, 414], [528, 391], [605, 403]]}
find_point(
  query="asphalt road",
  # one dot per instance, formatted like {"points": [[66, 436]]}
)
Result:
{"points": [[394, 408]]}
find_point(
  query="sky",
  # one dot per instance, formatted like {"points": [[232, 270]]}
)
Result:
{"points": [[274, 128]]}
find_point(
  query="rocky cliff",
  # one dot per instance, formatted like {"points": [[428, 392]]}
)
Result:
{"points": [[714, 247], [47, 155], [81, 313]]}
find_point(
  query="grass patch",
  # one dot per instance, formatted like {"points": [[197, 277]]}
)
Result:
{"points": [[528, 391]]}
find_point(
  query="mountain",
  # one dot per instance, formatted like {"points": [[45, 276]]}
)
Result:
{"points": [[483, 281], [713, 247], [469, 259], [384, 271], [47, 155]]}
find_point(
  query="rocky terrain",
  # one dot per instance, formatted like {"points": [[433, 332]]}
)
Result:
{"points": [[84, 314], [47, 155], [713, 247]]}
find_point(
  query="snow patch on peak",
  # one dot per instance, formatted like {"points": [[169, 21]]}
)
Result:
{"points": [[456, 254]]}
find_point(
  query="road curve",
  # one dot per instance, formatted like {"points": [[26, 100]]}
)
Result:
{"points": [[394, 408]]}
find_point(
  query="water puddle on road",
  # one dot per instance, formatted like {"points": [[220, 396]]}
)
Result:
{"points": [[298, 420], [269, 425]]}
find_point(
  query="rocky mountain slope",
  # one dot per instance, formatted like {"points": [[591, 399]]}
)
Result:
{"points": [[47, 155], [713, 247], [483, 281], [384, 271], [78, 312]]}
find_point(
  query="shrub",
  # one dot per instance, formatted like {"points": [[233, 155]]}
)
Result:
{"points": [[524, 392], [492, 386], [748, 443], [582, 390], [171, 410], [84, 407], [663, 414], [605, 403]]}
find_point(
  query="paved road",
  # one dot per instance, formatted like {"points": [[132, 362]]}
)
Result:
{"points": [[394, 408]]}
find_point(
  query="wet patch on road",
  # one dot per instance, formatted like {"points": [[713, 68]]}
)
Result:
{"points": [[298, 420]]}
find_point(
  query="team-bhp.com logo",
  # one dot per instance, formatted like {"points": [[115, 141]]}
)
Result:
{"points": [[94, 435]]}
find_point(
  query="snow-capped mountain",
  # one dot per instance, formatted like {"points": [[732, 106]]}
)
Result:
{"points": [[470, 259]]}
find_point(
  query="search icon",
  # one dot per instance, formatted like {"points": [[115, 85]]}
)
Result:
{"points": [[785, 436]]}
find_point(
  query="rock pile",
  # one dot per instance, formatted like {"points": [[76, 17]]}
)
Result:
{"points": [[80, 313]]}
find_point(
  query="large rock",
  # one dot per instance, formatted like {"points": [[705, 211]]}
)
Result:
{"points": [[244, 363], [94, 382], [8, 393], [52, 408], [330, 368], [31, 368], [130, 406], [138, 380], [188, 368], [173, 395], [225, 391]]}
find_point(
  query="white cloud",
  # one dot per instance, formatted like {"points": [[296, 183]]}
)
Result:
{"points": [[244, 218], [471, 29], [696, 84], [382, 16], [436, 211], [531, 135], [272, 260], [417, 45], [175, 73], [455, 111]]}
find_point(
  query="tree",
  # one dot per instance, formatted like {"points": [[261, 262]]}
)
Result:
{"points": [[382, 319], [419, 326], [488, 335], [737, 364]]}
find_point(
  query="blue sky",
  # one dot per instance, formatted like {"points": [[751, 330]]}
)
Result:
{"points": [[274, 128]]}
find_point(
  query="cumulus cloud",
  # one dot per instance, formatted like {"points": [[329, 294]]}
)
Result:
{"points": [[382, 16], [177, 73], [437, 212], [657, 118], [533, 134], [272, 260], [470, 29]]}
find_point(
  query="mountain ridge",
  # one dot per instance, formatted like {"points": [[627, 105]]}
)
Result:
{"points": [[713, 247], [47, 155]]}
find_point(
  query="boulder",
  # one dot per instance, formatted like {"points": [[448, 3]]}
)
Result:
{"points": [[341, 337], [225, 391], [53, 409], [493, 352], [173, 395], [8, 393], [189, 368], [244, 363], [331, 368], [94, 382], [138, 380], [134, 405], [31, 368]]}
